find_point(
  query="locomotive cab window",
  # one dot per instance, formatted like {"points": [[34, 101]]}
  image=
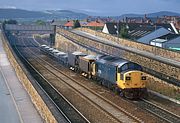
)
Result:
{"points": [[135, 66], [123, 68], [129, 66]]}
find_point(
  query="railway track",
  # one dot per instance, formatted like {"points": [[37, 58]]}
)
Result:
{"points": [[65, 108], [156, 110], [114, 110], [150, 107]]}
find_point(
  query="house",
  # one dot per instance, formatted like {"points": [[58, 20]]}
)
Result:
{"points": [[160, 31], [96, 25], [141, 32], [169, 41], [69, 25], [83, 23], [135, 30], [93, 24], [177, 24], [110, 28], [171, 27]]}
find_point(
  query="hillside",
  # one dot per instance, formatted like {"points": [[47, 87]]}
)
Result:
{"points": [[151, 15], [49, 14], [18, 13], [65, 14]]}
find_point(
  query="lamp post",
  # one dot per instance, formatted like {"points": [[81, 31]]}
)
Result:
{"points": [[117, 30], [95, 26]]}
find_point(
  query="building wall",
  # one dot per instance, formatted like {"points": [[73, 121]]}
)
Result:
{"points": [[157, 33], [175, 43], [105, 29]]}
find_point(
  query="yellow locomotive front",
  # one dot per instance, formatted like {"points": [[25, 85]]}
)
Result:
{"points": [[131, 80]]}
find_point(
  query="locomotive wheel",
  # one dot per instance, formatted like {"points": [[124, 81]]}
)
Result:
{"points": [[128, 95], [89, 76], [116, 90], [121, 93]]}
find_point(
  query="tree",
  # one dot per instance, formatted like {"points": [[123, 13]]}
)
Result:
{"points": [[76, 24], [8, 22], [40, 22], [124, 32]]}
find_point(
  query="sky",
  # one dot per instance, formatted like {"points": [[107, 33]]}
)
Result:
{"points": [[101, 7]]}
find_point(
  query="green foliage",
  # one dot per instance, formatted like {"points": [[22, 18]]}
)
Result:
{"points": [[77, 24], [96, 28], [10, 22], [40, 22], [124, 32]]}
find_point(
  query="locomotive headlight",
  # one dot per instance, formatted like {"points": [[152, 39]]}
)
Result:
{"points": [[128, 78], [143, 78]]}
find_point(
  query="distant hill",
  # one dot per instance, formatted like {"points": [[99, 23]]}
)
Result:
{"points": [[49, 14], [65, 14], [151, 15], [162, 13], [18, 13]]}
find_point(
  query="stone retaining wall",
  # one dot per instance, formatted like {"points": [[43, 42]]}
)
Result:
{"points": [[35, 97], [66, 45], [155, 50]]}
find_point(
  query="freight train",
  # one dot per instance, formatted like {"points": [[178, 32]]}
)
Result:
{"points": [[124, 77]]}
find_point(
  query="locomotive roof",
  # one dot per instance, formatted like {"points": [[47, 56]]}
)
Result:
{"points": [[78, 53], [90, 57], [55, 51], [51, 49], [64, 56], [113, 61], [43, 45], [100, 56], [60, 53], [46, 47]]}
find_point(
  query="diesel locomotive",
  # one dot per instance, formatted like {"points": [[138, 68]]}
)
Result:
{"points": [[124, 77]]}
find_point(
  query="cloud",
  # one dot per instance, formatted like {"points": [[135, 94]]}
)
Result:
{"points": [[9, 7], [101, 7]]}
